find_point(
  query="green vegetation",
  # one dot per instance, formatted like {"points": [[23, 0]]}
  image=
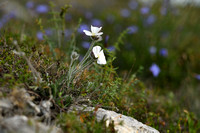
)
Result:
{"points": [[49, 66]]}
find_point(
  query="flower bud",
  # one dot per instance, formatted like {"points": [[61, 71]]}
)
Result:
{"points": [[74, 56]]}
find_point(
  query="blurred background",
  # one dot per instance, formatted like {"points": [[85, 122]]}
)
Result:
{"points": [[159, 40]]}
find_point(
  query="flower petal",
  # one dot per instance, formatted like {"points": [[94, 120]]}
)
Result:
{"points": [[88, 33], [102, 59], [95, 29], [99, 38], [96, 51], [99, 34]]}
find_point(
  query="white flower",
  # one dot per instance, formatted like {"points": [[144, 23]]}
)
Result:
{"points": [[95, 32], [98, 53]]}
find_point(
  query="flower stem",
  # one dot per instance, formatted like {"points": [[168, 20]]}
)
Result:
{"points": [[87, 54], [81, 66]]}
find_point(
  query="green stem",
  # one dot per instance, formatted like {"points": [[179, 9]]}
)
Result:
{"points": [[87, 54], [83, 67]]}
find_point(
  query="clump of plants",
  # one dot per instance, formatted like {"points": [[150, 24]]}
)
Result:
{"points": [[55, 70]]}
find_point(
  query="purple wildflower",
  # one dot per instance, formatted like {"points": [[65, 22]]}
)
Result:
{"points": [[133, 4], [144, 10], [42, 9], [132, 29], [85, 45], [40, 35], [152, 50], [83, 27], [164, 8], [96, 22], [155, 70], [29, 4], [6, 18], [49, 32], [111, 48], [106, 40], [1, 24], [163, 11], [67, 32], [88, 15], [151, 19], [163, 52], [197, 76], [125, 13], [11, 15]]}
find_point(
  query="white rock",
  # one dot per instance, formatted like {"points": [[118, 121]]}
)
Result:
{"points": [[129, 124], [6, 103], [23, 124]]}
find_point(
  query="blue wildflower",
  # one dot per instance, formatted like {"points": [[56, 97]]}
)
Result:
{"points": [[6, 18], [197, 76], [67, 32], [125, 13], [29, 4], [11, 15], [85, 45], [1, 24], [88, 15], [144, 10], [49, 32], [132, 29], [106, 40], [83, 27], [96, 22], [163, 11], [152, 50], [164, 8], [40, 35], [151, 19], [111, 48], [42, 9], [163, 52], [133, 4], [155, 70]]}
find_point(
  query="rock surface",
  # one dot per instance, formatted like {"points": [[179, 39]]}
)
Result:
{"points": [[22, 124], [20, 102], [12, 121], [129, 125]]}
